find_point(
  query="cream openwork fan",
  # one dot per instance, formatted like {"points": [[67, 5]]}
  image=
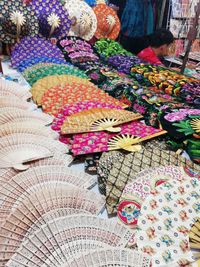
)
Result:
{"points": [[13, 101], [41, 86], [18, 115], [11, 88], [126, 142], [64, 238], [97, 119], [27, 127], [111, 257], [195, 237], [16, 149]]}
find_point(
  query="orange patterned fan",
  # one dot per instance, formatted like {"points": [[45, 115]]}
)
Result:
{"points": [[41, 86], [55, 98], [97, 119]]}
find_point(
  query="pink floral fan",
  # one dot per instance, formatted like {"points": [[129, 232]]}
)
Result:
{"points": [[68, 110], [103, 141]]}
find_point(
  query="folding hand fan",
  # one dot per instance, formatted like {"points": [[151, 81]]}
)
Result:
{"points": [[17, 21], [67, 237], [8, 88], [127, 139], [167, 216], [108, 24], [54, 70], [97, 119], [129, 165], [53, 19], [84, 21], [139, 188], [15, 102], [111, 257], [16, 149], [38, 208], [18, 115], [27, 127], [31, 47], [43, 85], [57, 97], [195, 236], [27, 72], [23, 65], [70, 109]]}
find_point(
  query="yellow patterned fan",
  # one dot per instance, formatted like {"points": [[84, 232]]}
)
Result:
{"points": [[126, 142], [195, 123], [195, 235], [42, 85], [97, 119]]}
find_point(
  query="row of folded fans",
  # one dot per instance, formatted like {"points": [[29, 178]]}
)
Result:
{"points": [[55, 18], [48, 215]]}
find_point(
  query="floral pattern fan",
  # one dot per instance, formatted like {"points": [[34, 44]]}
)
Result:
{"points": [[16, 21], [84, 22], [53, 18], [167, 216]]}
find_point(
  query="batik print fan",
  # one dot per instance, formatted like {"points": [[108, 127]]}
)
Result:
{"points": [[97, 119], [64, 238]]}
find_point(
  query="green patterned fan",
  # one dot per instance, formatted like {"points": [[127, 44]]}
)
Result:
{"points": [[40, 73], [32, 68]]}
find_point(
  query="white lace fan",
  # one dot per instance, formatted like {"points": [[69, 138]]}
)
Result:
{"points": [[12, 88], [15, 102], [61, 239], [61, 160], [39, 208], [16, 114], [16, 149], [111, 257], [27, 127]]}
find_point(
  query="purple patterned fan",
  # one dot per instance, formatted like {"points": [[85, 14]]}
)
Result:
{"points": [[32, 47], [53, 18]]}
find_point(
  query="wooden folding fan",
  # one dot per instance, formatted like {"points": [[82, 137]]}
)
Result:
{"points": [[97, 119]]}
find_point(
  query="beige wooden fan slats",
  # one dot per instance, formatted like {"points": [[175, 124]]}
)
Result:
{"points": [[97, 119]]}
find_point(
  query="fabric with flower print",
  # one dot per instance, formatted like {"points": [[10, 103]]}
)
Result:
{"points": [[98, 142], [167, 216], [181, 114]]}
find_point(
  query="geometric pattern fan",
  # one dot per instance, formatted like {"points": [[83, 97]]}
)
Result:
{"points": [[84, 22], [40, 73], [126, 167], [139, 188], [10, 114], [42, 206], [65, 238], [97, 119], [57, 97], [43, 85], [16, 149], [31, 47], [9, 88], [112, 257], [167, 216]]}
